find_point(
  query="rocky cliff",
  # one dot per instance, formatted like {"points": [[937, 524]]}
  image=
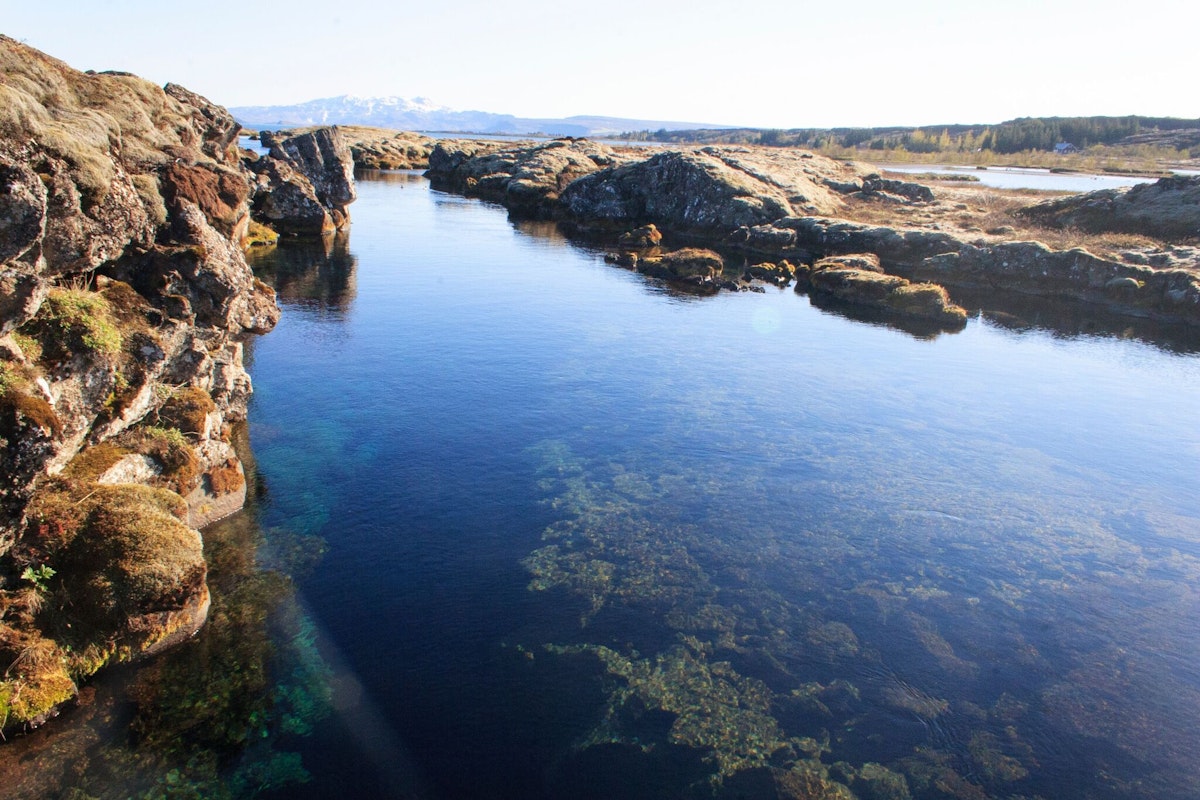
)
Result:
{"points": [[125, 301]]}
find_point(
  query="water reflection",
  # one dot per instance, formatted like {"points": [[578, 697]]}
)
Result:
{"points": [[317, 273], [1067, 319]]}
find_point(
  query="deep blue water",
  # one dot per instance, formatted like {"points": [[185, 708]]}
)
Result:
{"points": [[584, 536]]}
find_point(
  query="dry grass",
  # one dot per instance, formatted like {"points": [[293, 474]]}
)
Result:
{"points": [[975, 212], [187, 410]]}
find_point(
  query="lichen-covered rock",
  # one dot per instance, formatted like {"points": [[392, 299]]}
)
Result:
{"points": [[306, 183], [1168, 208], [712, 191], [686, 192]]}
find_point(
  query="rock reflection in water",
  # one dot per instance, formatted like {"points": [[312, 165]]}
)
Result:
{"points": [[318, 272]]}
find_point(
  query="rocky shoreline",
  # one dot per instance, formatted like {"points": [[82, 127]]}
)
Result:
{"points": [[125, 304], [777, 208]]}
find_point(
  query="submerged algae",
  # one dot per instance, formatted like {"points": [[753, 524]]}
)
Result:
{"points": [[203, 720], [770, 633]]}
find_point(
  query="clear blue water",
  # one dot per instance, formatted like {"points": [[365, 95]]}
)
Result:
{"points": [[588, 537], [580, 526]]}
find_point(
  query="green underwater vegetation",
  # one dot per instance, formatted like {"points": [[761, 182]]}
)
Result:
{"points": [[780, 639], [206, 719]]}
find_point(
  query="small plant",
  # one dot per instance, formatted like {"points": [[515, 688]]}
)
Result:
{"points": [[73, 321], [38, 576]]}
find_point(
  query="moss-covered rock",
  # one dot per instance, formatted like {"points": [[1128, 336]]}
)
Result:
{"points": [[125, 577]]}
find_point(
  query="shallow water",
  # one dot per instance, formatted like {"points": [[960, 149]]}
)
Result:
{"points": [[588, 537]]}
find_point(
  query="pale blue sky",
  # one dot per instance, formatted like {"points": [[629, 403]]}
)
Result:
{"points": [[770, 63]]}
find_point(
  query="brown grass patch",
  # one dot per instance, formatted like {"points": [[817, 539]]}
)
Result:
{"points": [[187, 410], [226, 478]]}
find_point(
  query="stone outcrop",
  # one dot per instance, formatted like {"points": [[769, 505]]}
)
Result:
{"points": [[1168, 208], [381, 148], [1027, 267], [708, 192], [774, 205], [125, 300], [527, 178], [858, 279], [306, 183]]}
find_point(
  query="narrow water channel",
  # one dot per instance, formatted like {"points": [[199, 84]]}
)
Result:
{"points": [[541, 528]]}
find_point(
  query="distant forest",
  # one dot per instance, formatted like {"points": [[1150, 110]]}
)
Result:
{"points": [[1014, 136]]}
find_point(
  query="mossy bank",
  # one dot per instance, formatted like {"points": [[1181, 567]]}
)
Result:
{"points": [[125, 305]]}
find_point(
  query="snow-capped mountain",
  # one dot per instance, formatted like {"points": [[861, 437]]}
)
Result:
{"points": [[422, 114]]}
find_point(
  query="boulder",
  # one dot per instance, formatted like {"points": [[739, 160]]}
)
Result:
{"points": [[306, 182], [709, 192], [902, 190], [690, 265], [643, 237], [839, 278], [779, 274]]}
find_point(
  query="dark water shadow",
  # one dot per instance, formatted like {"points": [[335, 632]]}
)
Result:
{"points": [[1072, 319], [311, 273]]}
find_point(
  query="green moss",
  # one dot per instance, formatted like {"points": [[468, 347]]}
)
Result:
{"points": [[72, 322], [171, 449], [259, 235], [30, 346], [35, 680]]}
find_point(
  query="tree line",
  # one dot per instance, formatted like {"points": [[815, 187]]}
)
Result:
{"points": [[1013, 136]]}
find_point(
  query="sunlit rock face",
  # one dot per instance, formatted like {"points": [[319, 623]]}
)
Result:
{"points": [[125, 300], [309, 182]]}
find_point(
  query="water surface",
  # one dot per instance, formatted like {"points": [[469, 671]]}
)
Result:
{"points": [[580, 526]]}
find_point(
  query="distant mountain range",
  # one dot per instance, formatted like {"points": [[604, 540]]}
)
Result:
{"points": [[421, 114]]}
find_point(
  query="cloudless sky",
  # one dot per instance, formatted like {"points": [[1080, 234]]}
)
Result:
{"points": [[763, 63]]}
